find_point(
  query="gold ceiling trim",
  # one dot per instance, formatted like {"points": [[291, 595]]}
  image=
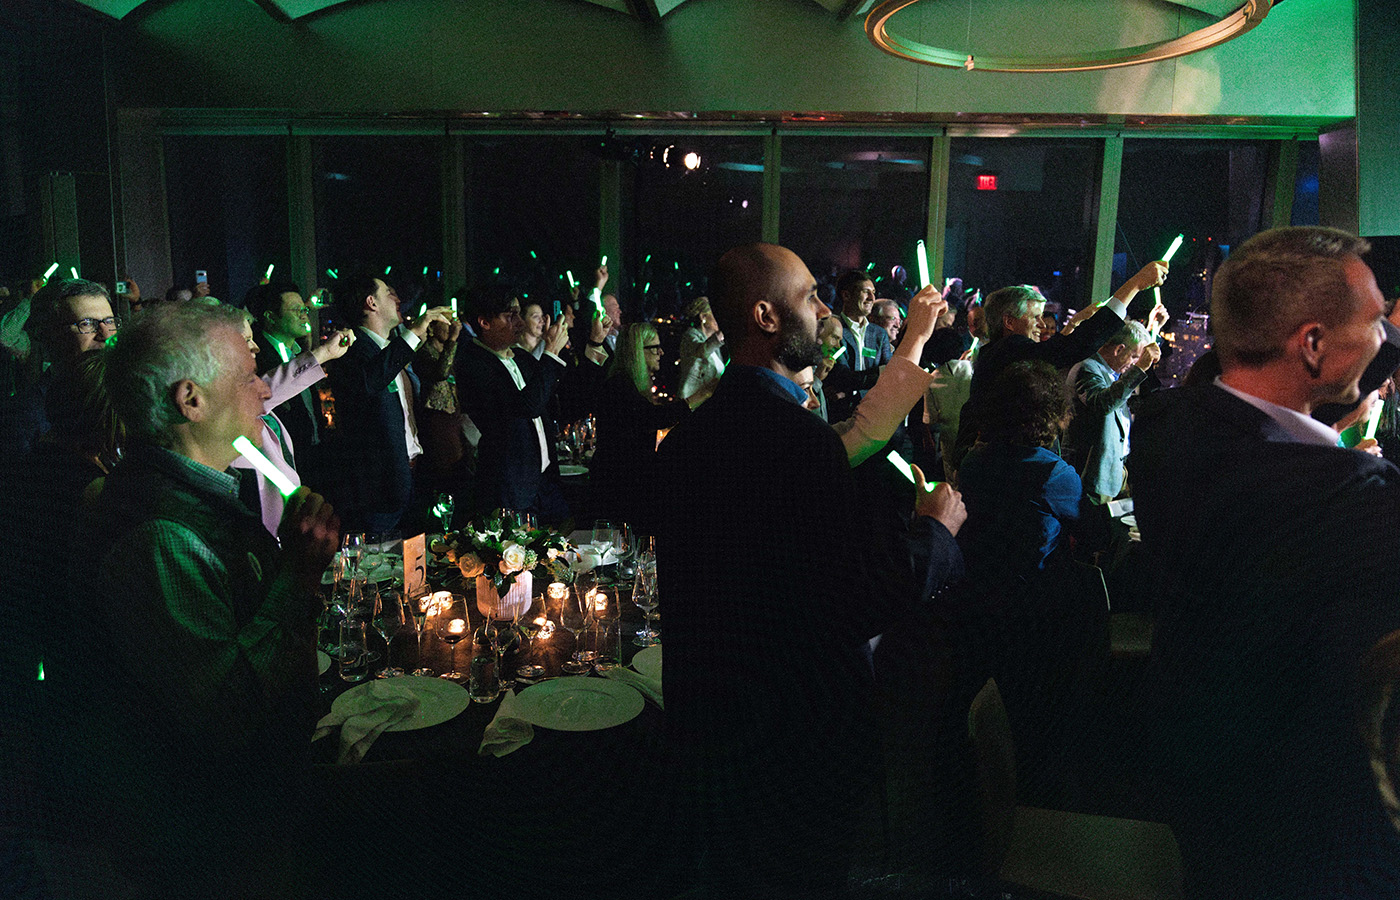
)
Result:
{"points": [[877, 28]]}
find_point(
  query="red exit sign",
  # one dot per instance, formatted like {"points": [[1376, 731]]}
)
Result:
{"points": [[986, 182]]}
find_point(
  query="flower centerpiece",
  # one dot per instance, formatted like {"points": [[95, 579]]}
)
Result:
{"points": [[502, 556]]}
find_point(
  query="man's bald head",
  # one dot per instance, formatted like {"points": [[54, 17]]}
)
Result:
{"points": [[743, 278]]}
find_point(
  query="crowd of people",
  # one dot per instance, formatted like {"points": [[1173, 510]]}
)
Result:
{"points": [[814, 595]]}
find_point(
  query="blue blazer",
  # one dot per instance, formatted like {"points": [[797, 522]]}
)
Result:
{"points": [[1096, 443]]}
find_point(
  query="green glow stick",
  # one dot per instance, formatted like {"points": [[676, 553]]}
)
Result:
{"points": [[869, 266], [647, 288], [647, 260], [840, 351], [604, 262], [74, 270], [570, 275], [1373, 419], [333, 274], [425, 270], [454, 306], [264, 465], [904, 469], [422, 309], [678, 266], [270, 267], [532, 255], [49, 271], [388, 269], [1171, 251], [924, 280]]}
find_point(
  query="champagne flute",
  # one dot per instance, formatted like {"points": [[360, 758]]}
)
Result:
{"points": [[389, 621], [644, 596], [452, 627], [419, 610], [352, 544]]}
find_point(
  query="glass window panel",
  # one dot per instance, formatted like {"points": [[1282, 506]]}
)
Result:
{"points": [[227, 201], [1210, 191], [686, 201], [1034, 226], [532, 212], [855, 202], [1305, 188], [379, 206]]}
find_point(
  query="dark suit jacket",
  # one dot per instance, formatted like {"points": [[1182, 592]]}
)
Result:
{"points": [[1061, 350], [877, 340], [373, 481], [754, 597], [508, 464], [1276, 565]]}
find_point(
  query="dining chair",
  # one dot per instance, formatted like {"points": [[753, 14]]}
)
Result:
{"points": [[1064, 853]]}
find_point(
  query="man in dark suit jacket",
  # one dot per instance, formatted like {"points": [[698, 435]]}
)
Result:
{"points": [[507, 395], [768, 673], [867, 346], [1276, 556], [1013, 318], [375, 393]]}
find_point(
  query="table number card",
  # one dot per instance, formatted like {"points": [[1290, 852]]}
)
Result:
{"points": [[415, 571]]}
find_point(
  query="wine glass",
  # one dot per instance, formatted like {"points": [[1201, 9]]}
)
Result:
{"points": [[625, 543], [574, 618], [354, 658], [644, 595], [389, 621], [452, 627], [352, 545]]}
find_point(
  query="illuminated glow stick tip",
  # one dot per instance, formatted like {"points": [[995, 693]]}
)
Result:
{"points": [[1373, 420], [454, 306], [48, 273], [840, 351], [604, 262], [1171, 251], [264, 465], [570, 275], [270, 267], [388, 269], [74, 270], [904, 469], [924, 280]]}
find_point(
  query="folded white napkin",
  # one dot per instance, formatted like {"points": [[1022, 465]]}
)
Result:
{"points": [[364, 717], [590, 556], [647, 687], [507, 732]]}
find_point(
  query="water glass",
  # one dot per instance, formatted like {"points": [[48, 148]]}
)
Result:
{"points": [[354, 655]]}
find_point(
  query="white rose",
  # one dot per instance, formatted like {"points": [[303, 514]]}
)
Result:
{"points": [[553, 553], [471, 565], [513, 556]]}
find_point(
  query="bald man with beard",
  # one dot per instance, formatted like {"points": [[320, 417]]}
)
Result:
{"points": [[769, 682]]}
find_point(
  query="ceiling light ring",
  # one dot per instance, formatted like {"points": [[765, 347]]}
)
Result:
{"points": [[1243, 19]]}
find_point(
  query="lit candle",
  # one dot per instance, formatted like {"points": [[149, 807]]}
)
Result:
{"points": [[456, 626], [600, 602], [557, 590]]}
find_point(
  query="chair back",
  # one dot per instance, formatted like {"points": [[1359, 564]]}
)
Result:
{"points": [[994, 756], [1379, 717]]}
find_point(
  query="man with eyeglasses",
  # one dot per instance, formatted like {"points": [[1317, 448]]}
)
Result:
{"points": [[281, 325]]}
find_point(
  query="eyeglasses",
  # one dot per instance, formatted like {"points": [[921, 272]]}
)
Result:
{"points": [[650, 347], [88, 326]]}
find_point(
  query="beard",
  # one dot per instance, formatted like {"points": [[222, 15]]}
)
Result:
{"points": [[796, 350]]}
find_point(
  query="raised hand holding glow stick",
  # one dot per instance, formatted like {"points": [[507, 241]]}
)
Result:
{"points": [[922, 252], [264, 465], [904, 469]]}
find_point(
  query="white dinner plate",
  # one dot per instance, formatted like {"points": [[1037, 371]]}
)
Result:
{"points": [[323, 663], [438, 699], [578, 704], [566, 471], [648, 661]]}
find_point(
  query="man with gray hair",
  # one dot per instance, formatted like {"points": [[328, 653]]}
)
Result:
{"points": [[1275, 560], [1096, 443], [204, 630]]}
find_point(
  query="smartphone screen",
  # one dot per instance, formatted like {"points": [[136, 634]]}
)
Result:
{"points": [[201, 276]]}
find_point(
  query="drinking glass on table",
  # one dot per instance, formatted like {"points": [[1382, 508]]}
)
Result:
{"points": [[644, 596], [390, 620], [452, 627], [574, 618], [419, 609], [352, 546], [354, 656]]}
